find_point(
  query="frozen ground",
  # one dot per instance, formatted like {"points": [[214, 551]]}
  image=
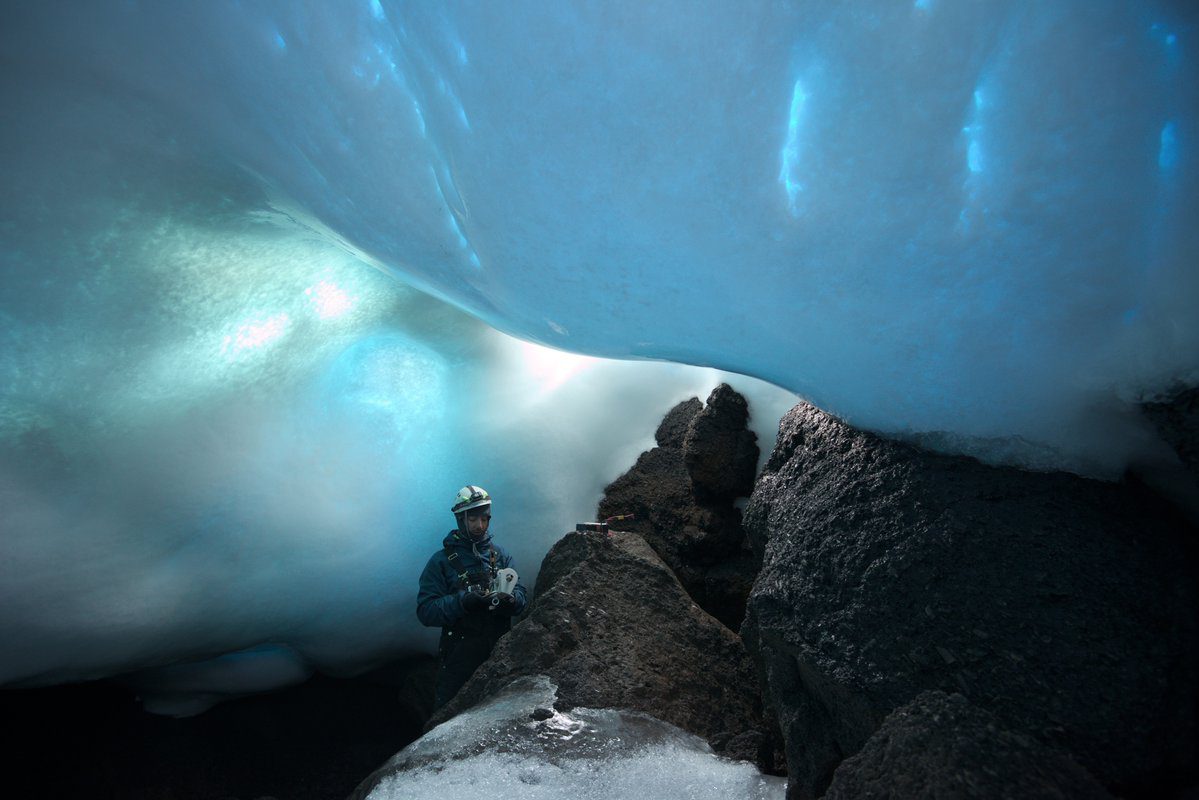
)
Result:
{"points": [[499, 749]]}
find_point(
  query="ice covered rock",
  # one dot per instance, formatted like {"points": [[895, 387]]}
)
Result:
{"points": [[517, 744]]}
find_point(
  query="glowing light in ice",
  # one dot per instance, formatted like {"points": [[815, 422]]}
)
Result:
{"points": [[974, 150], [799, 99], [257, 334], [1169, 38], [420, 117], [377, 10], [974, 157], [388, 57], [1167, 154], [444, 184], [551, 368], [329, 300]]}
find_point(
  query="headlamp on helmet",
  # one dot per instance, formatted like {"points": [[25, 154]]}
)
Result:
{"points": [[470, 498]]}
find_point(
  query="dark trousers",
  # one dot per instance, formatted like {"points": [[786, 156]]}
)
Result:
{"points": [[459, 654]]}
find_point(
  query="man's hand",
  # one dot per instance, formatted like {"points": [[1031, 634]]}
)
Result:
{"points": [[473, 603], [504, 604]]}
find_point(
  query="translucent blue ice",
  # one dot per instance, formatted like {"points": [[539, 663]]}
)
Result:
{"points": [[615, 183], [968, 222], [791, 149], [1167, 154]]}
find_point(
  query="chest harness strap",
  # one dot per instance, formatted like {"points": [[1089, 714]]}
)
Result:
{"points": [[464, 577]]}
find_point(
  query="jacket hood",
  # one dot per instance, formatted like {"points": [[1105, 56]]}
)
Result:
{"points": [[456, 539]]}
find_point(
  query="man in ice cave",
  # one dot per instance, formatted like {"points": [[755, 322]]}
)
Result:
{"points": [[470, 590]]}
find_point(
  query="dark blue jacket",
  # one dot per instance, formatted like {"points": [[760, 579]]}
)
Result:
{"points": [[439, 603]]}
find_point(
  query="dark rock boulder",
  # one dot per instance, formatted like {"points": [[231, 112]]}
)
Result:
{"points": [[673, 428], [657, 490], [942, 746], [696, 532], [613, 628], [720, 453], [1064, 606], [692, 539]]}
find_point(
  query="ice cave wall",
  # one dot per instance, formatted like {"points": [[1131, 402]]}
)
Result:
{"points": [[968, 222], [924, 216]]}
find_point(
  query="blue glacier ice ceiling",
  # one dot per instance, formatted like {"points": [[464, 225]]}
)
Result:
{"points": [[225, 427]]}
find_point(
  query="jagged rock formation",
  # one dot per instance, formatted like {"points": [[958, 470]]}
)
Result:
{"points": [[940, 745], [720, 453], [1064, 606], [613, 628], [672, 430], [682, 494]]}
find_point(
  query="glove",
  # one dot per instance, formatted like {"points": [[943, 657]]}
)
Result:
{"points": [[473, 603], [504, 604]]}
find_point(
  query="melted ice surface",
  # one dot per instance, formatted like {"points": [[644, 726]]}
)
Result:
{"points": [[497, 749]]}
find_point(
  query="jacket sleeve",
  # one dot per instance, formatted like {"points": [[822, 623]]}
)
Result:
{"points": [[438, 604]]}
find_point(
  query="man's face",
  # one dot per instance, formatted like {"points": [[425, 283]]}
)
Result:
{"points": [[477, 521]]}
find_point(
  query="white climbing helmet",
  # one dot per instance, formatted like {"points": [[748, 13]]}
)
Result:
{"points": [[470, 497]]}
